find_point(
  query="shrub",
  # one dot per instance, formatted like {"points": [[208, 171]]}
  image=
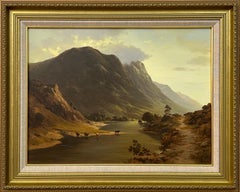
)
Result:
{"points": [[149, 117], [143, 155]]}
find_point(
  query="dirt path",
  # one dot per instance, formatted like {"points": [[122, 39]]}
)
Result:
{"points": [[182, 152]]}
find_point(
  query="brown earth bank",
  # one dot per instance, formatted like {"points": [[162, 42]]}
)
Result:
{"points": [[50, 117], [183, 139], [42, 137], [102, 149], [134, 145], [184, 150]]}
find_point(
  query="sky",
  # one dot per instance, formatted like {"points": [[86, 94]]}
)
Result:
{"points": [[179, 58]]}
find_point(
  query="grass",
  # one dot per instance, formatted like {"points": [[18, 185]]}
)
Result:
{"points": [[43, 137], [54, 127]]}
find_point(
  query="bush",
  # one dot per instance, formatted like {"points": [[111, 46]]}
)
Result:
{"points": [[148, 117], [143, 155], [201, 122], [96, 117]]}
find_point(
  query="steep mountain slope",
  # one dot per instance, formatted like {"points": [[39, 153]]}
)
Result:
{"points": [[179, 98], [190, 102], [141, 79], [52, 99], [50, 116], [94, 82]]}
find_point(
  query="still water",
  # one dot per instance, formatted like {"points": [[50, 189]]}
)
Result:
{"points": [[109, 149]]}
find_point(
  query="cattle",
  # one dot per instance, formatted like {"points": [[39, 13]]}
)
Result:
{"points": [[117, 132], [77, 134]]}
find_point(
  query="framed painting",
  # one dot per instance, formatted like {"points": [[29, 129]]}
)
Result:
{"points": [[119, 96]]}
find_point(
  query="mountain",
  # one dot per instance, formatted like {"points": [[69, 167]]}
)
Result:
{"points": [[180, 98], [51, 97], [140, 78], [50, 116], [94, 82], [189, 101]]}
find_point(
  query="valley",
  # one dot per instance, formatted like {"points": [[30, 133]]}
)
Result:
{"points": [[111, 149], [94, 109]]}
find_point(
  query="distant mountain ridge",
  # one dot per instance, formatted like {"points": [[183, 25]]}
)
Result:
{"points": [[180, 98], [95, 82]]}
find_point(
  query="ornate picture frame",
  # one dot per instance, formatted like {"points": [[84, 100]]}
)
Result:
{"points": [[19, 16]]}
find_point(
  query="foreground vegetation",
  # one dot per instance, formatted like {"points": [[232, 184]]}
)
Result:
{"points": [[171, 130], [164, 127], [141, 154], [200, 121]]}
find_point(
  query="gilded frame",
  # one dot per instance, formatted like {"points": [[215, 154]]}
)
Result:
{"points": [[12, 176]]}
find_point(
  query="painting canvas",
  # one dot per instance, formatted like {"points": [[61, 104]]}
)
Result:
{"points": [[119, 96]]}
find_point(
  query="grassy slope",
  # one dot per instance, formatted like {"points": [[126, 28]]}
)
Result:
{"points": [[53, 127]]}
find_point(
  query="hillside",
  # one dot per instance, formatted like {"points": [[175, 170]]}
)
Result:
{"points": [[184, 139], [94, 82], [179, 98], [201, 123], [50, 116]]}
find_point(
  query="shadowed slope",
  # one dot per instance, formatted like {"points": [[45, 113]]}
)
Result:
{"points": [[95, 82]]}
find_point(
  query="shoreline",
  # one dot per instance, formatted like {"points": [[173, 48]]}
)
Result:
{"points": [[59, 134], [68, 138], [71, 134], [98, 125]]}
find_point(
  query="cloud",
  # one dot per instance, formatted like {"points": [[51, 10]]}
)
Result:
{"points": [[147, 42], [52, 51], [194, 42], [180, 69], [183, 69], [98, 44], [95, 34], [111, 45], [49, 42], [128, 53], [199, 61], [54, 45], [46, 43]]}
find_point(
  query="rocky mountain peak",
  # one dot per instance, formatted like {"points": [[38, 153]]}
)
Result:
{"points": [[138, 65], [138, 73], [96, 82]]}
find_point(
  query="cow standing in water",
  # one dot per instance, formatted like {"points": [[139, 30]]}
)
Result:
{"points": [[117, 132], [86, 135], [77, 134]]}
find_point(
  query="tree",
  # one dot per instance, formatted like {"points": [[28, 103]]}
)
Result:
{"points": [[167, 110], [135, 148], [147, 116]]}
